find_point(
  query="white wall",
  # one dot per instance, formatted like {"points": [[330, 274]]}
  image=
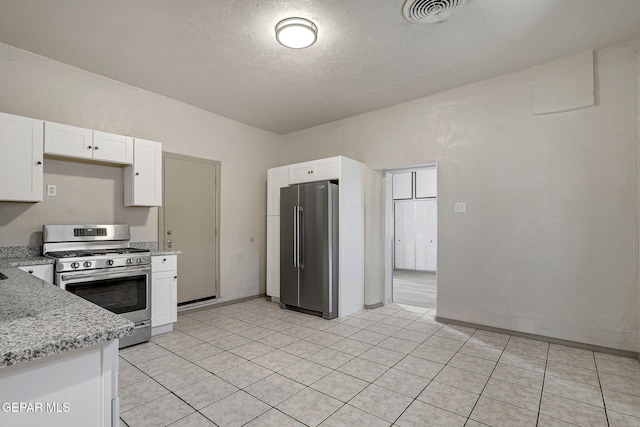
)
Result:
{"points": [[549, 243], [35, 86]]}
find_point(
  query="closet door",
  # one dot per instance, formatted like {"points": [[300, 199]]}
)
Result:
{"points": [[426, 234], [405, 235]]}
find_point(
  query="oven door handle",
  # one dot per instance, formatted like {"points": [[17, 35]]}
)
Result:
{"points": [[106, 275]]}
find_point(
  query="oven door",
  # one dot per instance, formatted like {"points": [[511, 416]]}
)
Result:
{"points": [[121, 290]]}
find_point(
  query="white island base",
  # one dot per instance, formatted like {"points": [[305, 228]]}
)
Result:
{"points": [[75, 388]]}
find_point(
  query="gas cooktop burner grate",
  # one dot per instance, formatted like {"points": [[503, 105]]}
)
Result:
{"points": [[75, 254]]}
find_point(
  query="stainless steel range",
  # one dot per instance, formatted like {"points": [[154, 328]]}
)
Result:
{"points": [[96, 263]]}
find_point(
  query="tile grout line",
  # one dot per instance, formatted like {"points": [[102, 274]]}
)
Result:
{"points": [[544, 377], [485, 385], [604, 403]]}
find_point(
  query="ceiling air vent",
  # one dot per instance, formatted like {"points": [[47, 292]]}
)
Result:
{"points": [[429, 11]]}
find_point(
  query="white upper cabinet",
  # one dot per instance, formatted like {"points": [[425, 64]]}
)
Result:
{"points": [[143, 180], [318, 170], [68, 141], [80, 143], [402, 185], [21, 158], [109, 147], [426, 183], [276, 179]]}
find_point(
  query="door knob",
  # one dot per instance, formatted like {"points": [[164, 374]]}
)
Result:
{"points": [[169, 243]]}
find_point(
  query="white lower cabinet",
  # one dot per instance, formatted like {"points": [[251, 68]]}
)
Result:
{"points": [[164, 293], [41, 271], [75, 388]]}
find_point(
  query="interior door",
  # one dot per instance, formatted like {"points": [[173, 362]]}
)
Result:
{"points": [[189, 219]]}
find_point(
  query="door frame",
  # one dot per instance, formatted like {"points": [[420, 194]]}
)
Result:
{"points": [[389, 226], [218, 174]]}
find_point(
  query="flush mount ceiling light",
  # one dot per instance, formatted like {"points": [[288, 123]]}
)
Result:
{"points": [[296, 33]]}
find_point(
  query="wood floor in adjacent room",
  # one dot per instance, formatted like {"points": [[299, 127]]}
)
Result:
{"points": [[417, 288]]}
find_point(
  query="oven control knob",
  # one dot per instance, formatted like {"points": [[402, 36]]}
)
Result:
{"points": [[139, 259], [109, 262], [87, 264], [129, 260], [75, 264]]}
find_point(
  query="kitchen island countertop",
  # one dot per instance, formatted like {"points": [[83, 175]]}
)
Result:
{"points": [[38, 319]]}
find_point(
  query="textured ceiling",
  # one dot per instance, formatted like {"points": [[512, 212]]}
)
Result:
{"points": [[221, 55]]}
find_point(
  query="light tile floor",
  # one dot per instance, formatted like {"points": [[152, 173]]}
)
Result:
{"points": [[254, 364]]}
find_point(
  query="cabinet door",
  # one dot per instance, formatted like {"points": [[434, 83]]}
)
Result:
{"points": [[432, 235], [327, 169], [273, 256], [68, 141], [426, 234], [302, 172], [143, 180], [109, 147], [426, 183], [405, 238], [276, 179], [402, 184], [318, 170], [21, 159], [164, 298], [44, 271]]}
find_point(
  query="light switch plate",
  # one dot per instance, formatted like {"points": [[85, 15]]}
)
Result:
{"points": [[460, 207], [51, 190]]}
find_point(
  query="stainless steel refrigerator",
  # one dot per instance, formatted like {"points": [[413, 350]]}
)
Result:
{"points": [[309, 248]]}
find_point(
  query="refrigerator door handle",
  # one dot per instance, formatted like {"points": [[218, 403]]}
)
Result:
{"points": [[295, 236], [300, 237]]}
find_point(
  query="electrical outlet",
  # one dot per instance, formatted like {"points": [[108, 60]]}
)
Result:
{"points": [[51, 190], [460, 207]]}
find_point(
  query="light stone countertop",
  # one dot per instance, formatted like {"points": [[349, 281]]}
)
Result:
{"points": [[38, 319], [25, 260], [160, 253]]}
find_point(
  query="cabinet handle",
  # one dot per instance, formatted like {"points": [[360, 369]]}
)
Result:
{"points": [[38, 163], [175, 277], [137, 173], [95, 148], [30, 271], [89, 147], [164, 260]]}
